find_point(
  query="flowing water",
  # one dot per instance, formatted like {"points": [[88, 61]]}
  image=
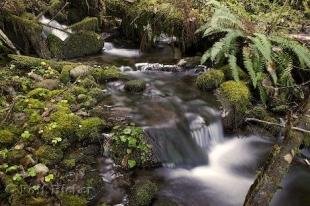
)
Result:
{"points": [[201, 165]]}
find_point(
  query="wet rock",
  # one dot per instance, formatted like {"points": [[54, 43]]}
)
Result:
{"points": [[80, 71], [135, 86], [189, 62], [157, 67], [49, 84], [27, 161], [41, 169]]}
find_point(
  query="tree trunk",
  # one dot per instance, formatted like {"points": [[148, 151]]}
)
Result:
{"points": [[268, 180]]}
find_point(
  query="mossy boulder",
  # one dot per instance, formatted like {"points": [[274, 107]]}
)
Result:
{"points": [[65, 74], [135, 86], [103, 75], [210, 79], [39, 93], [6, 137], [72, 200], [90, 128], [235, 94], [76, 45], [87, 24], [142, 193], [49, 155], [28, 63]]}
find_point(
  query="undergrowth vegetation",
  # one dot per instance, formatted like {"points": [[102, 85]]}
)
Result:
{"points": [[271, 60]]}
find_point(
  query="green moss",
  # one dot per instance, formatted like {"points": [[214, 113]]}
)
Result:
{"points": [[210, 79], [92, 43], [6, 137], [69, 163], [65, 74], [143, 193], [49, 155], [96, 93], [27, 62], [39, 93], [90, 128], [135, 86], [87, 82], [87, 24], [103, 75], [56, 46], [72, 200], [235, 94], [15, 155]]}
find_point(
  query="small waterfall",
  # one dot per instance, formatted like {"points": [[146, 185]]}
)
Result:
{"points": [[110, 49], [206, 136], [56, 28]]}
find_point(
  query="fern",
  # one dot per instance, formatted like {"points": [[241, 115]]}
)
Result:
{"points": [[248, 64], [234, 67], [301, 52]]}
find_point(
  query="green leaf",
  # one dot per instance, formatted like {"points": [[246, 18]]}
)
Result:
{"points": [[31, 172], [49, 178], [26, 135], [234, 67], [17, 177], [132, 142], [11, 169], [127, 131], [132, 163]]}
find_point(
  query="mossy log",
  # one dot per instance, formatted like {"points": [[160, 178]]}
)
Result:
{"points": [[268, 180]]}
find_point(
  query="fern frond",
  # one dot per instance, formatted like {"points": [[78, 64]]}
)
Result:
{"points": [[205, 56], [301, 52], [263, 44], [234, 67], [248, 64]]}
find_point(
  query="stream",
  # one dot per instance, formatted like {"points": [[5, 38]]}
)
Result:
{"points": [[201, 164]]}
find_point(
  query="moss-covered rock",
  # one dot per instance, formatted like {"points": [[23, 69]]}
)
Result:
{"points": [[65, 74], [72, 46], [87, 24], [102, 75], [49, 155], [134, 86], [72, 200], [28, 63], [6, 137], [90, 128], [235, 94], [210, 79], [69, 163], [142, 193], [92, 43], [39, 93]]}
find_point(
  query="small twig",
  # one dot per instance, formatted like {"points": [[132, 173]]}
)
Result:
{"points": [[66, 4], [9, 111], [53, 27], [276, 124]]}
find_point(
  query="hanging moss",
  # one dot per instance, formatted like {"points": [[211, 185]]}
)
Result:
{"points": [[87, 24], [210, 79]]}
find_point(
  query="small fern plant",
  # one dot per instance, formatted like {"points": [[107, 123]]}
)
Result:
{"points": [[262, 56]]}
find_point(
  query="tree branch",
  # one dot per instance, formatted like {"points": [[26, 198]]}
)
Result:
{"points": [[276, 124]]}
